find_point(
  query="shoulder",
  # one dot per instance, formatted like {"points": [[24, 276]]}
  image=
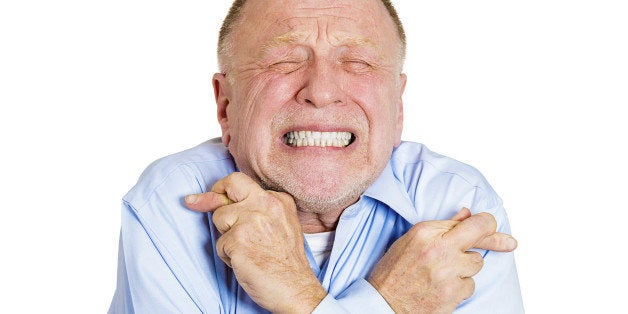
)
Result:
{"points": [[411, 156], [439, 185], [166, 242], [188, 171]]}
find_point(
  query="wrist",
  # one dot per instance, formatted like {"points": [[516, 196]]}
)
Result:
{"points": [[304, 301]]}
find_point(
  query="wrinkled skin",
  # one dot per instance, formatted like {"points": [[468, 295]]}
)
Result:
{"points": [[428, 270], [320, 65], [432, 258], [262, 241]]}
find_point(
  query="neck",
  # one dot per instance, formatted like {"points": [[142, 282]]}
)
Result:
{"points": [[316, 222], [319, 216]]}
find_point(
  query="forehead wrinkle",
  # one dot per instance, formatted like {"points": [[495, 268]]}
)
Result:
{"points": [[337, 38], [338, 11], [296, 37]]}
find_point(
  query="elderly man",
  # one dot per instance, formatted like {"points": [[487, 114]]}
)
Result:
{"points": [[315, 204]]}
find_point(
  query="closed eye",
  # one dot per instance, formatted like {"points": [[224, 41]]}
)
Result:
{"points": [[356, 66], [286, 66]]}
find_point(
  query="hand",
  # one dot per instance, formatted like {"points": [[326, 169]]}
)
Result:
{"points": [[262, 241], [429, 269]]}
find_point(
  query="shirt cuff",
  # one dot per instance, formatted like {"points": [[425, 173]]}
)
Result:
{"points": [[329, 305], [359, 297]]}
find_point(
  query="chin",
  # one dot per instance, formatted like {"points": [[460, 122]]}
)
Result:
{"points": [[324, 204], [323, 196]]}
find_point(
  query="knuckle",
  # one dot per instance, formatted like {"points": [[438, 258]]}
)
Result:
{"points": [[419, 231], [429, 247], [218, 214], [476, 258], [219, 222], [285, 198], [229, 179], [489, 221], [237, 176], [437, 256], [221, 216], [278, 202], [221, 247], [481, 225], [238, 185], [476, 262]]}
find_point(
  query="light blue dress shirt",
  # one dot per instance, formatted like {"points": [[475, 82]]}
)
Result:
{"points": [[168, 264]]}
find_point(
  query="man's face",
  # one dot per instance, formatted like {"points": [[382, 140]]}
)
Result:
{"points": [[311, 101]]}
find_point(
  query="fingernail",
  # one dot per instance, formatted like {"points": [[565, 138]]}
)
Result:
{"points": [[191, 199], [512, 242]]}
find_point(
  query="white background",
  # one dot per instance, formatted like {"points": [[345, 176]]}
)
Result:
{"points": [[532, 93]]}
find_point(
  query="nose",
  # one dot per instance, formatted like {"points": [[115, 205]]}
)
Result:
{"points": [[322, 86]]}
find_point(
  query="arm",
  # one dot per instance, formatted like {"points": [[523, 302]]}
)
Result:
{"points": [[251, 218], [164, 261], [146, 284]]}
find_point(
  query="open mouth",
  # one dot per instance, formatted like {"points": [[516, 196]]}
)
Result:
{"points": [[318, 139]]}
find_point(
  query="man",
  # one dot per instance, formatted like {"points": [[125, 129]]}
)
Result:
{"points": [[315, 203]]}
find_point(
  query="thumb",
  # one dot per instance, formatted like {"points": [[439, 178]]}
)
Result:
{"points": [[206, 202], [499, 242]]}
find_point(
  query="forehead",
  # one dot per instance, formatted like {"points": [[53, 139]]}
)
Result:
{"points": [[296, 36], [354, 22]]}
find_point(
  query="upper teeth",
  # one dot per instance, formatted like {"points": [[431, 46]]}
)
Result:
{"points": [[315, 138]]}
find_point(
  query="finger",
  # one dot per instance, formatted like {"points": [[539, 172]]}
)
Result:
{"points": [[463, 214], [206, 202], [237, 186], [471, 263], [499, 242], [471, 230], [427, 229], [220, 250], [468, 288], [225, 217]]}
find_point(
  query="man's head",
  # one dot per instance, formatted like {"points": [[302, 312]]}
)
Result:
{"points": [[309, 100], [233, 17]]}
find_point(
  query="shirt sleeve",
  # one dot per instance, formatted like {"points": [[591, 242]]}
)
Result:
{"points": [[359, 297], [166, 260], [145, 282]]}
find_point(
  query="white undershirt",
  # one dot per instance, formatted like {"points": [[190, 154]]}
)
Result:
{"points": [[320, 244]]}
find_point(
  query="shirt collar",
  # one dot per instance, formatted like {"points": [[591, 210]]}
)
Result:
{"points": [[389, 190]]}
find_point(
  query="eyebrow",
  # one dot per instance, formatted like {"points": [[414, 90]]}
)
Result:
{"points": [[355, 41], [281, 40]]}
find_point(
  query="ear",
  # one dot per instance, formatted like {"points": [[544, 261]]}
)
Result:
{"points": [[222, 95], [399, 127]]}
